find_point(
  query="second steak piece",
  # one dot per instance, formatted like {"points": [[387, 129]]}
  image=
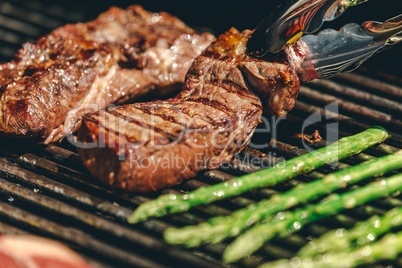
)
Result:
{"points": [[149, 146]]}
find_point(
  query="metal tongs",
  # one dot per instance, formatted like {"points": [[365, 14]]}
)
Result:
{"points": [[329, 51]]}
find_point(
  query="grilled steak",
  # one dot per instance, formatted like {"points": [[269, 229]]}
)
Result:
{"points": [[78, 68], [144, 147]]}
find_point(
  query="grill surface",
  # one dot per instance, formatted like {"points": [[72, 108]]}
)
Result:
{"points": [[45, 190]]}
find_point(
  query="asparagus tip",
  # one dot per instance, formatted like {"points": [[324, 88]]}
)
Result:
{"points": [[144, 211], [169, 235], [382, 129], [136, 217], [173, 236]]}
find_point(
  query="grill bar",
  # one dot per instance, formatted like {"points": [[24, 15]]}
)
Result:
{"points": [[381, 87], [134, 240], [46, 190], [63, 13], [119, 256]]}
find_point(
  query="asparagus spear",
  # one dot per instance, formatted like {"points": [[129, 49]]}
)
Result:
{"points": [[387, 248], [288, 222], [218, 228], [175, 203], [363, 233]]}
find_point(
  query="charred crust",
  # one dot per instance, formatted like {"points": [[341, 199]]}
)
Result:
{"points": [[28, 124], [132, 51]]}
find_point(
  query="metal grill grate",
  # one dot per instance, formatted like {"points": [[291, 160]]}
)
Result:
{"points": [[45, 190]]}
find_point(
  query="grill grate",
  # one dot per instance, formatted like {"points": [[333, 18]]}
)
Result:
{"points": [[45, 190]]}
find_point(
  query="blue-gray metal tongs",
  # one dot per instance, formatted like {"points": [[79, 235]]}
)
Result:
{"points": [[328, 52]]}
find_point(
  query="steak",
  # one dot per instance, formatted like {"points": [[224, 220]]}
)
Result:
{"points": [[149, 146], [78, 68]]}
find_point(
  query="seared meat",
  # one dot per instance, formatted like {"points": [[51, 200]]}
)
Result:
{"points": [[84, 67], [148, 146]]}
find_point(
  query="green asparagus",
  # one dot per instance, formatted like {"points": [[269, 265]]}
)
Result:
{"points": [[387, 248], [175, 203], [288, 222], [218, 228], [363, 233]]}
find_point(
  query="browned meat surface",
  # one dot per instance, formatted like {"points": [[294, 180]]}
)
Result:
{"points": [[78, 68], [148, 146]]}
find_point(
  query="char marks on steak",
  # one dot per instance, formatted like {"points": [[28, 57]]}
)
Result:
{"points": [[84, 67], [144, 147]]}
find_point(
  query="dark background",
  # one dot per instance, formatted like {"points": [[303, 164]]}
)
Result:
{"points": [[219, 16], [216, 16]]}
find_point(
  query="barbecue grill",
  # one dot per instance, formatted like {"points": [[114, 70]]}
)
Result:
{"points": [[45, 190]]}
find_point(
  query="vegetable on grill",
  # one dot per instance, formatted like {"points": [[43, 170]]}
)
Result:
{"points": [[363, 233], [344, 147], [387, 248], [288, 222], [218, 228]]}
